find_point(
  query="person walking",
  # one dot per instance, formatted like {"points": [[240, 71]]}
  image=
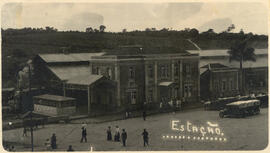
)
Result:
{"points": [[24, 132], [70, 148], [109, 134], [48, 144], [144, 115], [84, 134], [145, 137], [53, 141], [117, 134], [124, 137]]}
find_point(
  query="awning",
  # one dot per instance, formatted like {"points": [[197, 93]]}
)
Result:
{"points": [[165, 84]]}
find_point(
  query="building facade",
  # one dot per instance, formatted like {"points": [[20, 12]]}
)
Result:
{"points": [[218, 81], [150, 79], [132, 81], [254, 74]]}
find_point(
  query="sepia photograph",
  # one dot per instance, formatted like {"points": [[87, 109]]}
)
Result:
{"points": [[134, 76]]}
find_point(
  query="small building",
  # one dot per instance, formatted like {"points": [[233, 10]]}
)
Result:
{"points": [[53, 105], [255, 74], [218, 80]]}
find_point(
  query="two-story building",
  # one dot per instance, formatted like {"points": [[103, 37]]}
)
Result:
{"points": [[127, 78]]}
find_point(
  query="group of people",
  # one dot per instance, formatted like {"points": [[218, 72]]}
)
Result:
{"points": [[123, 136]]}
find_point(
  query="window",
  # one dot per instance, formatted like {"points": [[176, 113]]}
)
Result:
{"points": [[176, 69], [187, 90], [109, 72], [232, 86], [167, 71], [223, 85], [176, 91], [164, 71], [150, 95], [133, 97], [151, 72], [131, 72], [261, 83], [95, 70], [188, 68]]}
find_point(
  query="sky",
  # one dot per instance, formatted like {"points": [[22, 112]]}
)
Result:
{"points": [[251, 17]]}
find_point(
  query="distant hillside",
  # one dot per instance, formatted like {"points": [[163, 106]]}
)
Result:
{"points": [[18, 46]]}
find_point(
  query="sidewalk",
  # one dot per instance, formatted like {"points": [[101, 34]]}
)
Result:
{"points": [[98, 119]]}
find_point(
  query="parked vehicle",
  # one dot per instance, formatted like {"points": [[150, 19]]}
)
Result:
{"points": [[220, 103], [263, 99], [241, 108]]}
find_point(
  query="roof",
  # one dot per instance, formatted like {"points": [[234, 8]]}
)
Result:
{"points": [[139, 50], [245, 103], [166, 83], [223, 52], [84, 80], [261, 61], [215, 66], [70, 71], [54, 97], [71, 57]]}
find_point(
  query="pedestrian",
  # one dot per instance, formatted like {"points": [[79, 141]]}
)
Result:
{"points": [[70, 148], [12, 148], [126, 117], [145, 137], [48, 144], [109, 134], [24, 132], [53, 141], [84, 134], [124, 137], [117, 134], [144, 115], [84, 125]]}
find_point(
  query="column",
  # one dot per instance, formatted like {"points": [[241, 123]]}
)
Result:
{"points": [[180, 79], [90, 68], [117, 79], [89, 99], [146, 81], [156, 81], [172, 71], [64, 89]]}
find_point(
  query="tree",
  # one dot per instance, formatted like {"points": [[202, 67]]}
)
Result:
{"points": [[240, 52], [102, 28], [89, 30]]}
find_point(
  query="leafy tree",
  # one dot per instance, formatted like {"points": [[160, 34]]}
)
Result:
{"points": [[89, 30], [240, 52], [102, 28], [124, 30]]}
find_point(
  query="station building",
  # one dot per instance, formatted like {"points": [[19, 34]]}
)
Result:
{"points": [[130, 78]]}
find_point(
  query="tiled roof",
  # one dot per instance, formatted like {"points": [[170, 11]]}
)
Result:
{"points": [[84, 80], [67, 72], [223, 52], [214, 66], [261, 61], [71, 57]]}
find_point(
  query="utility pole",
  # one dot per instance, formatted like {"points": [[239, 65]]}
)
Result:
{"points": [[31, 118]]}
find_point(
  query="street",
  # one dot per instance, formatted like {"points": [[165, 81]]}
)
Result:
{"points": [[250, 133]]}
